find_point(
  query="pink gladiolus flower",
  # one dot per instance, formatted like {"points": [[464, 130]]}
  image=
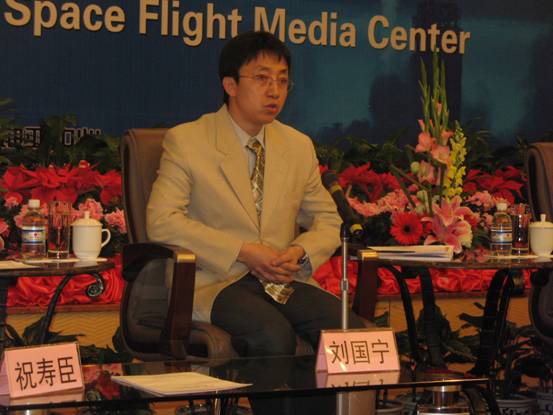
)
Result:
{"points": [[445, 136], [426, 173], [440, 153], [426, 142], [116, 219]]}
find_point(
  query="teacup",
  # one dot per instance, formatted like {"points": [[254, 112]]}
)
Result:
{"points": [[87, 237], [541, 237]]}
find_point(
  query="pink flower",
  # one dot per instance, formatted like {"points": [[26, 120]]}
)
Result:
{"points": [[426, 173], [95, 208], [440, 153], [483, 199], [426, 141], [18, 219], [445, 136], [449, 225], [116, 219]]}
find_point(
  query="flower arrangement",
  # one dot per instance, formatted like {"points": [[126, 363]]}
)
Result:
{"points": [[435, 200], [83, 186]]}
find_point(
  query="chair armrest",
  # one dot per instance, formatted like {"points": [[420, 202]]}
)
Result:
{"points": [[177, 326], [364, 302]]}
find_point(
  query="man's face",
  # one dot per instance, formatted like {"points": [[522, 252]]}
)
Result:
{"points": [[259, 94]]}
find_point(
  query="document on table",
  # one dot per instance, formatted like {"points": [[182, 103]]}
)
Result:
{"points": [[415, 252], [6, 265], [179, 383]]}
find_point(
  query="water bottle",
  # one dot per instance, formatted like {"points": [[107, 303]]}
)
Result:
{"points": [[33, 232], [501, 233]]}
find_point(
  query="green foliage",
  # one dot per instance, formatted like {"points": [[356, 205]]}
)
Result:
{"points": [[351, 151], [89, 353], [455, 347], [31, 335], [102, 150], [516, 356]]}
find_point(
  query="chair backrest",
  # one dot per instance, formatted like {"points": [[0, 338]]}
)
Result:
{"points": [[141, 150], [539, 168], [145, 300]]}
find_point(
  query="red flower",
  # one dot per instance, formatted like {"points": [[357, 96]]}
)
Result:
{"points": [[17, 179], [503, 184], [368, 181], [111, 187], [406, 228]]}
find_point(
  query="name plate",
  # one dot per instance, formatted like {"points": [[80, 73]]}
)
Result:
{"points": [[357, 350], [336, 380], [38, 370]]}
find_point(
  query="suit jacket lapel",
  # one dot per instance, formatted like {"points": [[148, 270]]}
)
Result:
{"points": [[233, 163], [276, 168]]}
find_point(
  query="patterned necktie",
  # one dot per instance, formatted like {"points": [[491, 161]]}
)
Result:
{"points": [[278, 292], [256, 178]]}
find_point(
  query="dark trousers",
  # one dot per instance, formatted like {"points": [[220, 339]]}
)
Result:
{"points": [[259, 326]]}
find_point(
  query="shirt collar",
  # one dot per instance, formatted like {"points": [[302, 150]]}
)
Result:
{"points": [[244, 137]]}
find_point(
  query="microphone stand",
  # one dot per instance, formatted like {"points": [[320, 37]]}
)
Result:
{"points": [[342, 402], [344, 284]]}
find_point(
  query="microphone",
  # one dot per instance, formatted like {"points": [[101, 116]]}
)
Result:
{"points": [[350, 219]]}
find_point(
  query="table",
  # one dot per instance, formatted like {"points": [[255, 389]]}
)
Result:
{"points": [[506, 280], [67, 269], [270, 376]]}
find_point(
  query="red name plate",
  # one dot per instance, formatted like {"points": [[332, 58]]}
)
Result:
{"points": [[39, 370], [357, 350]]}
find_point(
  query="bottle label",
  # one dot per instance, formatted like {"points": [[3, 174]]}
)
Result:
{"points": [[33, 234], [501, 236]]}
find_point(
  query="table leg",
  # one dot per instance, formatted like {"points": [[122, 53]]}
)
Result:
{"points": [[432, 324], [92, 290], [408, 310], [4, 284], [493, 320]]}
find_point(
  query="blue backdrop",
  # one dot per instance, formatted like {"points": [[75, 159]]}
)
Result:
{"points": [[108, 62]]}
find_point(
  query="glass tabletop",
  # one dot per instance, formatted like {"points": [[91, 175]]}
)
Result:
{"points": [[269, 376], [469, 260], [52, 268]]}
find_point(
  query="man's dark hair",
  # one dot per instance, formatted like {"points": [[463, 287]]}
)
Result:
{"points": [[246, 47]]}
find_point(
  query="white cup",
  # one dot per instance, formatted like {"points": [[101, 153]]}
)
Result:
{"points": [[541, 237], [87, 238]]}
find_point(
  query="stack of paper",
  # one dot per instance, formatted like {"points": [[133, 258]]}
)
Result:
{"points": [[415, 252], [179, 383]]}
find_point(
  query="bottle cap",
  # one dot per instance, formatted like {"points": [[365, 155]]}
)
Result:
{"points": [[501, 206], [34, 203]]}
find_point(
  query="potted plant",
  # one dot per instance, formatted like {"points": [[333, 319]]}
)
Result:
{"points": [[510, 364]]}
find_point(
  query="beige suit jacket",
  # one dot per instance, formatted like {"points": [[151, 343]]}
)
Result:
{"points": [[202, 200]]}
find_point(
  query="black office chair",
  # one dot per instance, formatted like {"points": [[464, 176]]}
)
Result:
{"points": [[539, 168]]}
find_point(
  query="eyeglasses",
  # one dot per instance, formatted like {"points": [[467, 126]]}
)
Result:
{"points": [[265, 81]]}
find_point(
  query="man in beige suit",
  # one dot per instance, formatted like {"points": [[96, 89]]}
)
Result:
{"points": [[205, 199]]}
